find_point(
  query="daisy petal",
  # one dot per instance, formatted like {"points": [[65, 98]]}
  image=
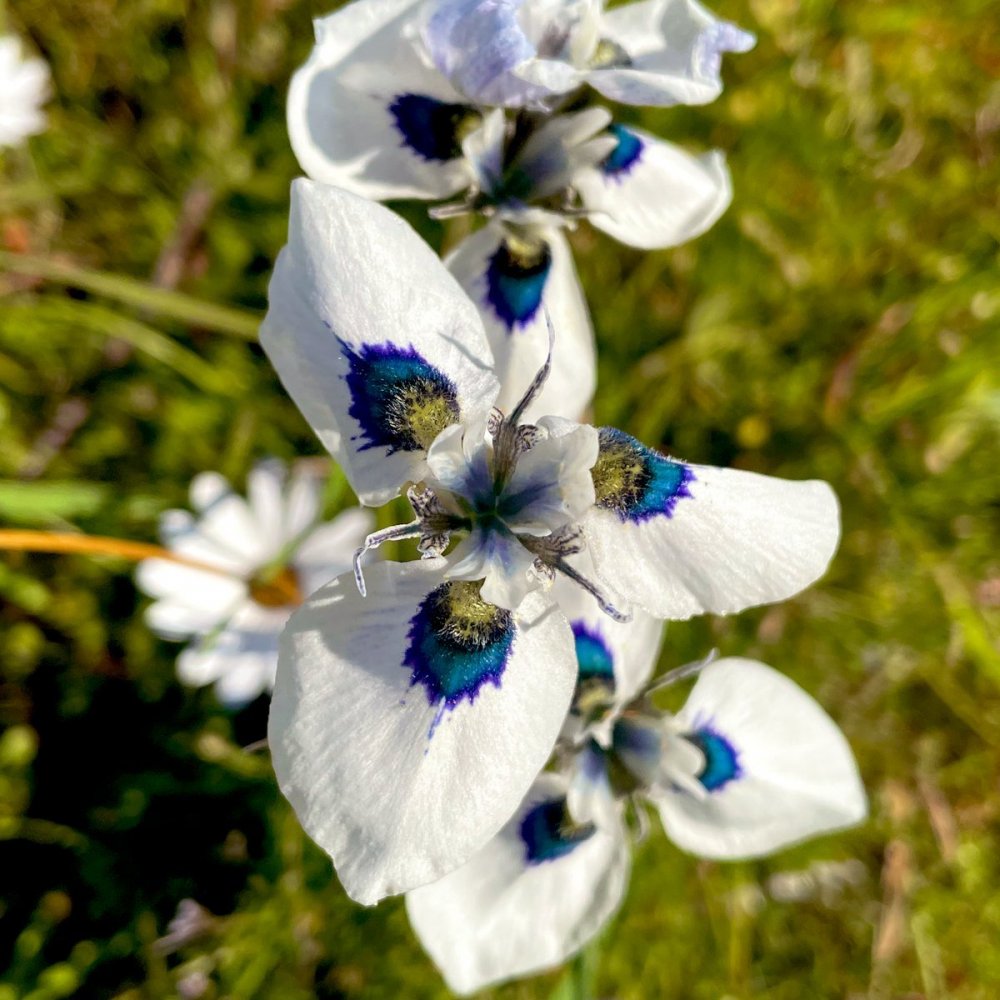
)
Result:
{"points": [[372, 338], [241, 657], [328, 549], [406, 726], [533, 896], [777, 769], [681, 540]]}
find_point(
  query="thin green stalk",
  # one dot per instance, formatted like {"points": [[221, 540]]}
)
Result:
{"points": [[140, 294]]}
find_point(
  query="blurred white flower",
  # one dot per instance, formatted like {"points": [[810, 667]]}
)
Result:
{"points": [[272, 553], [24, 88]]}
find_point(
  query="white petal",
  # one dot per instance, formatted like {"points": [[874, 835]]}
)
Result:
{"points": [[241, 657], [498, 559], [363, 316], [484, 150], [675, 47], [209, 596], [794, 775], [551, 485], [398, 763], [303, 500], [559, 148], [266, 496], [589, 794], [501, 916], [478, 45], [513, 289], [691, 539], [246, 677], [227, 523], [356, 124], [623, 653], [25, 89], [652, 194], [182, 618]]}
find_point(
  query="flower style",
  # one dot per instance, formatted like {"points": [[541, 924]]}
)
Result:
{"points": [[407, 724], [749, 765], [271, 553], [431, 135], [24, 88]]}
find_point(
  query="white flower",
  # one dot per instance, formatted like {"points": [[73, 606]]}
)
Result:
{"points": [[749, 765], [372, 113], [407, 725], [24, 88], [656, 52], [639, 189], [271, 553]]}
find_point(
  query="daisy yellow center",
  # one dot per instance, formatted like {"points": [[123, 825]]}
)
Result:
{"points": [[278, 590]]}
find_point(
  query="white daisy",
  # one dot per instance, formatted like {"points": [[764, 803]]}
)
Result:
{"points": [[271, 552], [24, 88]]}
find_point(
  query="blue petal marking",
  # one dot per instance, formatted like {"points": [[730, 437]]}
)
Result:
{"points": [[636, 738], [386, 382], [625, 155], [594, 762], [515, 281], [593, 657], [431, 128], [722, 760], [636, 482], [548, 832], [453, 653]]}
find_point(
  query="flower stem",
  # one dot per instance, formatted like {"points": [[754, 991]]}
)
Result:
{"points": [[95, 545]]}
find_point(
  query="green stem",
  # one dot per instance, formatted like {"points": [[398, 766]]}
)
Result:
{"points": [[184, 308]]}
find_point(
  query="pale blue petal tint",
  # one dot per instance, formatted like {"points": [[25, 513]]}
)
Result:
{"points": [[477, 44]]}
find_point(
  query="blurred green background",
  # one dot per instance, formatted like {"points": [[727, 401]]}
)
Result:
{"points": [[840, 322]]}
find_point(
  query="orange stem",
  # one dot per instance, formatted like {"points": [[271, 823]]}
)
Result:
{"points": [[96, 545]]}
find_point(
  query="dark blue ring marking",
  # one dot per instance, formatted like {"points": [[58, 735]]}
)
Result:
{"points": [[399, 400], [625, 155], [457, 643], [433, 129], [635, 482], [593, 656], [516, 274], [595, 679], [722, 760], [548, 832]]}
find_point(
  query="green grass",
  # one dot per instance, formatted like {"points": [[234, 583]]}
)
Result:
{"points": [[840, 322]]}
